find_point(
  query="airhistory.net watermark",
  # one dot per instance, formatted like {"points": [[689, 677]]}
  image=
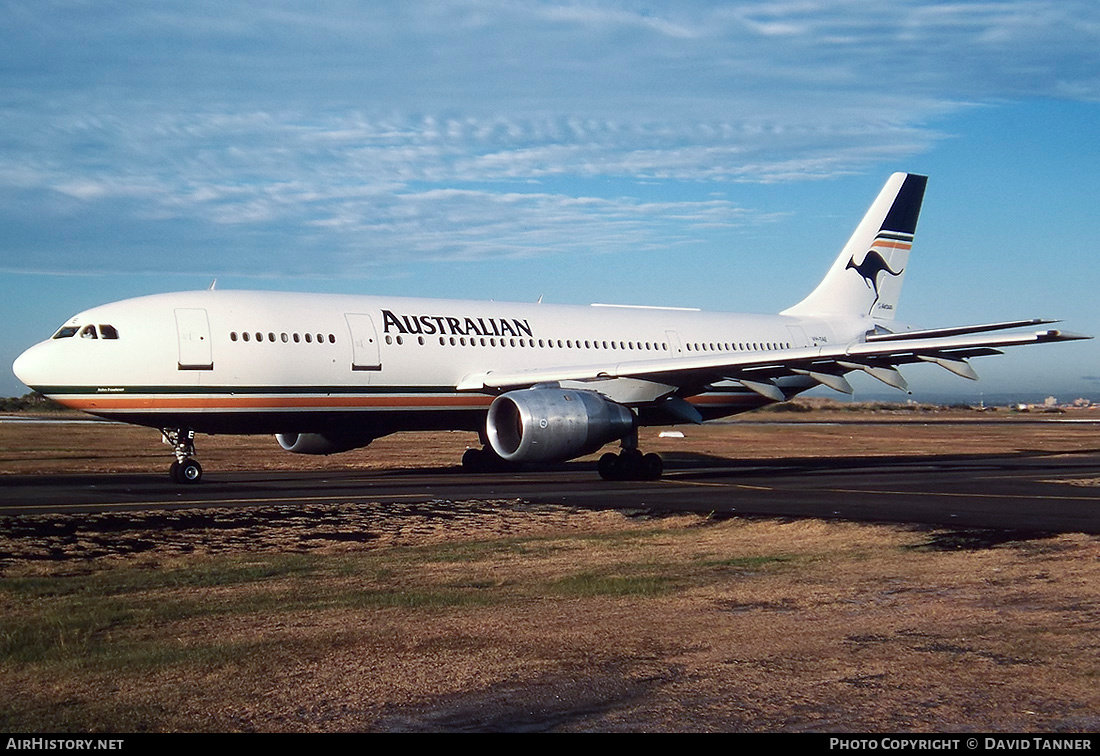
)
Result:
{"points": [[63, 744]]}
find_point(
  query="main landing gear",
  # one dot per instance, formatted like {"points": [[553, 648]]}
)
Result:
{"points": [[630, 464], [484, 460], [185, 469]]}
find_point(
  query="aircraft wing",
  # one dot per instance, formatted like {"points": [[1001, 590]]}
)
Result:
{"points": [[878, 356]]}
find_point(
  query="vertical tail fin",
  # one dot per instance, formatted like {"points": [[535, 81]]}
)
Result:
{"points": [[866, 278]]}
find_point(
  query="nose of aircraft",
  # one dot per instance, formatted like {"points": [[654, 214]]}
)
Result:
{"points": [[28, 367]]}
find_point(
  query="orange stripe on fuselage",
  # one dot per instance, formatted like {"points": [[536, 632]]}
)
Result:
{"points": [[275, 402], [473, 401]]}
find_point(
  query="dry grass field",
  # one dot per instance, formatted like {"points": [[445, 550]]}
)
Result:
{"points": [[500, 615]]}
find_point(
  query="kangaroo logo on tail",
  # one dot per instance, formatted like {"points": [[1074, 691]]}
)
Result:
{"points": [[880, 246], [873, 264]]}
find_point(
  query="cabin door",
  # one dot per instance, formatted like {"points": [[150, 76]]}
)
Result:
{"points": [[364, 342], [193, 332]]}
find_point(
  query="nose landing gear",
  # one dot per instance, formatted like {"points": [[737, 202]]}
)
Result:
{"points": [[185, 469]]}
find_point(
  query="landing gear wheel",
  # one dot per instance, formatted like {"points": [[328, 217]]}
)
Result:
{"points": [[187, 471], [630, 465], [608, 465], [484, 460], [473, 460], [652, 466]]}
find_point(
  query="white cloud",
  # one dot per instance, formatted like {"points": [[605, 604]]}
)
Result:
{"points": [[346, 126]]}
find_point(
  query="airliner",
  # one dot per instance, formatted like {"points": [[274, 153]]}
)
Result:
{"points": [[538, 382]]}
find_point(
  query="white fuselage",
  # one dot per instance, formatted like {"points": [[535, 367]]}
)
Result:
{"points": [[252, 362]]}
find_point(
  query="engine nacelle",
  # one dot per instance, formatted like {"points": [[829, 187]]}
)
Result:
{"points": [[554, 424], [319, 443]]}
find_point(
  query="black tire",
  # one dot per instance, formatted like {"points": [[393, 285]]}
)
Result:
{"points": [[189, 471], [652, 466], [473, 460], [631, 466], [608, 466], [174, 471]]}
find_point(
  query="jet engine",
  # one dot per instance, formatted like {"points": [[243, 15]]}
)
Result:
{"points": [[319, 443], [553, 424]]}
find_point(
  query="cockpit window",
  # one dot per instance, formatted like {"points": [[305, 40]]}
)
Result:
{"points": [[87, 332]]}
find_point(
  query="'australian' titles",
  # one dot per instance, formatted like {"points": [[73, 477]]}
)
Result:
{"points": [[451, 326]]}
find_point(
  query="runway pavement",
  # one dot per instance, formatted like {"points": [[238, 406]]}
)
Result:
{"points": [[1021, 491]]}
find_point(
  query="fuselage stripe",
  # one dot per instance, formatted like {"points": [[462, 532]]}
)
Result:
{"points": [[109, 403]]}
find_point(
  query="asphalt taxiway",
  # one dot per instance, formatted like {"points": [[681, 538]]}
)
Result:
{"points": [[1030, 491]]}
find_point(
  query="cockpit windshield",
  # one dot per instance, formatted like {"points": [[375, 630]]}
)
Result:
{"points": [[87, 332]]}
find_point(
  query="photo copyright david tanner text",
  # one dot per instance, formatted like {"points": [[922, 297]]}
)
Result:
{"points": [[985, 743]]}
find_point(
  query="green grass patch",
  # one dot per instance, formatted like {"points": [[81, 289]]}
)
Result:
{"points": [[748, 563], [121, 616], [594, 584], [226, 571], [126, 616]]}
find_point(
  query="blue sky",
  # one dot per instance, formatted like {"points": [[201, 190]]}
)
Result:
{"points": [[682, 153]]}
